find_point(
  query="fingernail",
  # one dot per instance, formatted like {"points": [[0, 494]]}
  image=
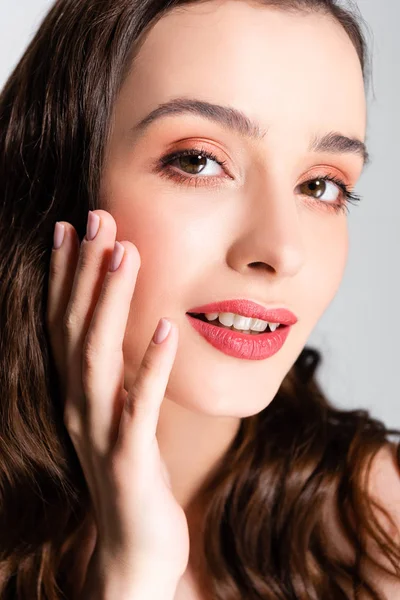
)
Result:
{"points": [[118, 255], [59, 232], [162, 331], [93, 225]]}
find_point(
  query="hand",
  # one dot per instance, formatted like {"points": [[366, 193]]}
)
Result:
{"points": [[113, 430]]}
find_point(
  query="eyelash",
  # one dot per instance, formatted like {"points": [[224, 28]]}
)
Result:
{"points": [[163, 167]]}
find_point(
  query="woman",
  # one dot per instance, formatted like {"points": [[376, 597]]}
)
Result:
{"points": [[218, 143]]}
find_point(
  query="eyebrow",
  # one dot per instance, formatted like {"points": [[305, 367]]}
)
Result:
{"points": [[235, 120]]}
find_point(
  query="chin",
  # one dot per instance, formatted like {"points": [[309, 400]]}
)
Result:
{"points": [[227, 399]]}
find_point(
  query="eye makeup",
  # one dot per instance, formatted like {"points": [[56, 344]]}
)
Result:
{"points": [[166, 169]]}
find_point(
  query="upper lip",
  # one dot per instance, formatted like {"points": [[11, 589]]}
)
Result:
{"points": [[247, 308]]}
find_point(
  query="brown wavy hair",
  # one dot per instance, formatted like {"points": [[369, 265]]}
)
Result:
{"points": [[264, 525]]}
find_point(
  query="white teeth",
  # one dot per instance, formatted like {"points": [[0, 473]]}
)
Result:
{"points": [[211, 316], [241, 323], [226, 319], [259, 325]]}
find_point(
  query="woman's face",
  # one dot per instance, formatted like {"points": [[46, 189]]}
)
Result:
{"points": [[247, 229]]}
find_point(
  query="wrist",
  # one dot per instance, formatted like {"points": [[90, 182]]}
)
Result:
{"points": [[108, 580], [147, 583], [150, 589]]}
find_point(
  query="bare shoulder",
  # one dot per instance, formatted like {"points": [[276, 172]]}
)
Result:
{"points": [[383, 487]]}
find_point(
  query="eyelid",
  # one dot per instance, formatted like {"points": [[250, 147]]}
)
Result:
{"points": [[164, 168], [200, 146], [199, 143], [322, 169], [167, 159]]}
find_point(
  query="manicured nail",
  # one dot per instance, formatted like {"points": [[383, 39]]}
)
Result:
{"points": [[93, 225], [118, 255], [59, 232], [162, 331]]}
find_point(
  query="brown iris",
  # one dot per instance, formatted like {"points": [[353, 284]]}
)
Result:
{"points": [[317, 186], [190, 162]]}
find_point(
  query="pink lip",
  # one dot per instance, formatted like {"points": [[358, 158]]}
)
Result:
{"points": [[246, 308], [241, 345]]}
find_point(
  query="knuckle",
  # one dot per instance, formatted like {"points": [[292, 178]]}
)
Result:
{"points": [[137, 403], [149, 366], [115, 464], [148, 373], [131, 400], [56, 269], [73, 425], [70, 322], [90, 353]]}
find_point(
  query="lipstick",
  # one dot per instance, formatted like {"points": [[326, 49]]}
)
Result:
{"points": [[243, 345]]}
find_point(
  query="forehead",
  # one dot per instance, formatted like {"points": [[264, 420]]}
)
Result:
{"points": [[287, 70]]}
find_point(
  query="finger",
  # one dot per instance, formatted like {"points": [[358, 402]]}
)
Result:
{"points": [[61, 276], [103, 348], [139, 419], [91, 268]]}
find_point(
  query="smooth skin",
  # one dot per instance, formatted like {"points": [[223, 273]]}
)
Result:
{"points": [[247, 232], [113, 429]]}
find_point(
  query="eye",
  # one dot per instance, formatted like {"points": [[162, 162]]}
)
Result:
{"points": [[332, 193], [325, 188], [196, 163], [193, 167], [322, 188]]}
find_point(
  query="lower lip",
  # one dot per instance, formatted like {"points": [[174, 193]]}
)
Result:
{"points": [[241, 345]]}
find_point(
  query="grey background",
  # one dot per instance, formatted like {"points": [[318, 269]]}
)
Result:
{"points": [[359, 334]]}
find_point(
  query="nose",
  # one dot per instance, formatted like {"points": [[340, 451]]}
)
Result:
{"points": [[271, 236]]}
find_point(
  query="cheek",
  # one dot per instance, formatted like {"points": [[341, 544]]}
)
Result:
{"points": [[173, 258], [167, 240], [327, 260]]}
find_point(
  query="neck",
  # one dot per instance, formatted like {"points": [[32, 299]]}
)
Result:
{"points": [[191, 444]]}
